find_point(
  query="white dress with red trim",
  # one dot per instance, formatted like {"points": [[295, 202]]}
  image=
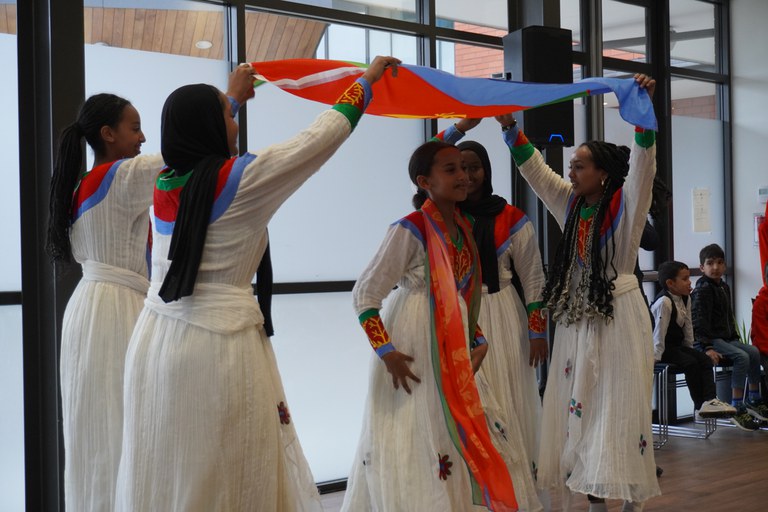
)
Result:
{"points": [[109, 239], [596, 425], [207, 426], [406, 460], [508, 325]]}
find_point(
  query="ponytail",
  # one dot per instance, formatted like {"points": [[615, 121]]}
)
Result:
{"points": [[66, 171], [98, 111], [419, 198]]}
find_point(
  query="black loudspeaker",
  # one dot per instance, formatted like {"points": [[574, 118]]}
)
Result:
{"points": [[542, 54]]}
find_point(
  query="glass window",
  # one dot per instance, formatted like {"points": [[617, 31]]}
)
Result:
{"points": [[469, 60], [173, 63], [570, 18], [356, 191], [697, 186], [624, 34], [272, 37], [11, 409], [477, 17], [693, 98], [342, 42], [692, 35], [178, 27], [327, 406], [394, 9], [10, 259]]}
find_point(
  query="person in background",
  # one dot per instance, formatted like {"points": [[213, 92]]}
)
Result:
{"points": [[714, 328]]}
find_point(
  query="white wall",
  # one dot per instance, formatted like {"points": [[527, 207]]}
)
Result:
{"points": [[749, 72]]}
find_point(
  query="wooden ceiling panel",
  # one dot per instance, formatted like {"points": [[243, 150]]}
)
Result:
{"points": [[268, 36]]}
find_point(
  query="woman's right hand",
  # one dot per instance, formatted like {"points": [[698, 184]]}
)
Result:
{"points": [[378, 66], [506, 120], [397, 365], [240, 86]]}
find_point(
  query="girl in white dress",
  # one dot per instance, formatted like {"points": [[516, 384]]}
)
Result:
{"points": [[207, 427], [99, 218], [596, 425], [431, 445]]}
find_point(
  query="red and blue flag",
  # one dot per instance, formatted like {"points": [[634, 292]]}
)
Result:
{"points": [[424, 93]]}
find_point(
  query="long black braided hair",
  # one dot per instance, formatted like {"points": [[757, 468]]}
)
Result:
{"points": [[98, 111], [594, 296]]}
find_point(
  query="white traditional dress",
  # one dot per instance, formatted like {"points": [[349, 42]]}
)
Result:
{"points": [[596, 425], [406, 459], [207, 427], [109, 239], [509, 325]]}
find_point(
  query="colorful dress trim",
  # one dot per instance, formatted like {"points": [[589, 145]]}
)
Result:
{"points": [[93, 187], [378, 337], [168, 189]]}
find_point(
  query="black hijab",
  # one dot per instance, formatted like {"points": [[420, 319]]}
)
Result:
{"points": [[194, 140], [485, 211]]}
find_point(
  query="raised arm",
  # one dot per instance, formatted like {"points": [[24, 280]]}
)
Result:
{"points": [[551, 188], [279, 170]]}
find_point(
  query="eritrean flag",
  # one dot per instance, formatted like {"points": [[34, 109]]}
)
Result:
{"points": [[425, 93]]}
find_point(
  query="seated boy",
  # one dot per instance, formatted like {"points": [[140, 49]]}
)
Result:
{"points": [[714, 327], [673, 340]]}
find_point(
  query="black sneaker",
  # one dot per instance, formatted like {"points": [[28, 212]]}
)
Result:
{"points": [[757, 408], [745, 421]]}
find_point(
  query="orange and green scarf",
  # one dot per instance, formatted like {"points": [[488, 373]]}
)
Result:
{"points": [[462, 408]]}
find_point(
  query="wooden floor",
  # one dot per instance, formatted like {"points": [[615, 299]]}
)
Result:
{"points": [[727, 472]]}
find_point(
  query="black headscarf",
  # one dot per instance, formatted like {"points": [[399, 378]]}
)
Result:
{"points": [[485, 211], [194, 140]]}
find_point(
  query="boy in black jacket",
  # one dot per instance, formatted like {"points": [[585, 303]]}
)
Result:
{"points": [[715, 332]]}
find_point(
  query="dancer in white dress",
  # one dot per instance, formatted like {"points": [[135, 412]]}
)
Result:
{"points": [[596, 436], [506, 242], [101, 219], [413, 453], [206, 423]]}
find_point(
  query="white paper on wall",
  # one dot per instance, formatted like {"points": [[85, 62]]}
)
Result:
{"points": [[701, 220]]}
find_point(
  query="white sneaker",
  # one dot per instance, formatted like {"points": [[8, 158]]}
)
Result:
{"points": [[716, 409]]}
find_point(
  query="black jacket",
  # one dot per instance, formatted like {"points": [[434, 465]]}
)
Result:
{"points": [[712, 313]]}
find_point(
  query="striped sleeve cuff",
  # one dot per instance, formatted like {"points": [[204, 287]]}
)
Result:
{"points": [[451, 135], [537, 321], [371, 322], [518, 144], [479, 337], [354, 101], [644, 138]]}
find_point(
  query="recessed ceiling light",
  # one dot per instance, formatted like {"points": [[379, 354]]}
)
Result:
{"points": [[203, 44], [100, 43]]}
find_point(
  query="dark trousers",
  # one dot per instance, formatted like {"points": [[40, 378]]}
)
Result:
{"points": [[697, 368]]}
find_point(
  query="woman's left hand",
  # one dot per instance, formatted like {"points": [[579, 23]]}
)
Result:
{"points": [[646, 82], [477, 355], [539, 348]]}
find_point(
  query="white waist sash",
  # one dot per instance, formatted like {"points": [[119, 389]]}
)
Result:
{"points": [[220, 308], [624, 283], [96, 271]]}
